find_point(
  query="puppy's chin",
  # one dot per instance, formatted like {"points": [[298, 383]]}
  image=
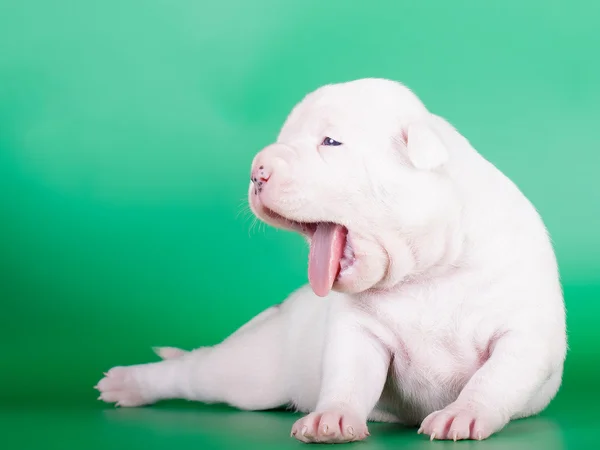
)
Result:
{"points": [[368, 270], [355, 283], [351, 285]]}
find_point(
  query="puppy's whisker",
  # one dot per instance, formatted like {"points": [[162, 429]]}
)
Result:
{"points": [[242, 211], [243, 208], [246, 213], [253, 226]]}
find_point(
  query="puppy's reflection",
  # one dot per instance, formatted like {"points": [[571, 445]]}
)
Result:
{"points": [[217, 422], [269, 429], [532, 433]]}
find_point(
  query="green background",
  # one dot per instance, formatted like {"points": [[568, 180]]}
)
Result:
{"points": [[127, 129]]}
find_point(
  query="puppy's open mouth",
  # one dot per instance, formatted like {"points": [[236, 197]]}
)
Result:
{"points": [[331, 253]]}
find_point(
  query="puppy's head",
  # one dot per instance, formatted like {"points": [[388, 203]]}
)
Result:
{"points": [[357, 171]]}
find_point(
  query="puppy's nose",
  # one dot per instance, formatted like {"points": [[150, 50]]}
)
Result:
{"points": [[271, 166], [260, 175]]}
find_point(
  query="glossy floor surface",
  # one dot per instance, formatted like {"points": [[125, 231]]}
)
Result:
{"points": [[570, 422]]}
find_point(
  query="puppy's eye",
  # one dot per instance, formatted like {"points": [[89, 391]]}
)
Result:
{"points": [[330, 142]]}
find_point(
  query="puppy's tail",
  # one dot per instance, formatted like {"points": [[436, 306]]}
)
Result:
{"points": [[168, 352]]}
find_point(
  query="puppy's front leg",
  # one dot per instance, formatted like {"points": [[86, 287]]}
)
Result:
{"points": [[354, 370], [518, 371]]}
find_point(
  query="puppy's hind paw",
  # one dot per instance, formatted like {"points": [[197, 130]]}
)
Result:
{"points": [[119, 386]]}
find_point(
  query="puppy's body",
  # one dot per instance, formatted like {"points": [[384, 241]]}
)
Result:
{"points": [[447, 309]]}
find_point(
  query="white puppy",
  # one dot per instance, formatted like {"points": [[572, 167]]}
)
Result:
{"points": [[446, 310]]}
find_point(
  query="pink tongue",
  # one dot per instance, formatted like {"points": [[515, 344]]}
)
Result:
{"points": [[326, 249]]}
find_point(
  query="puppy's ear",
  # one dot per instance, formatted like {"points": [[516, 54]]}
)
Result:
{"points": [[425, 149]]}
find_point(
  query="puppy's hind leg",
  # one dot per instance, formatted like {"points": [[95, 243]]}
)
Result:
{"points": [[169, 352], [245, 370], [173, 352]]}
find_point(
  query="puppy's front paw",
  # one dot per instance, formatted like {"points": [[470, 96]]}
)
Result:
{"points": [[457, 423], [120, 386], [333, 426]]}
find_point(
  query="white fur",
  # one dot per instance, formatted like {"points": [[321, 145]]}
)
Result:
{"points": [[451, 316]]}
